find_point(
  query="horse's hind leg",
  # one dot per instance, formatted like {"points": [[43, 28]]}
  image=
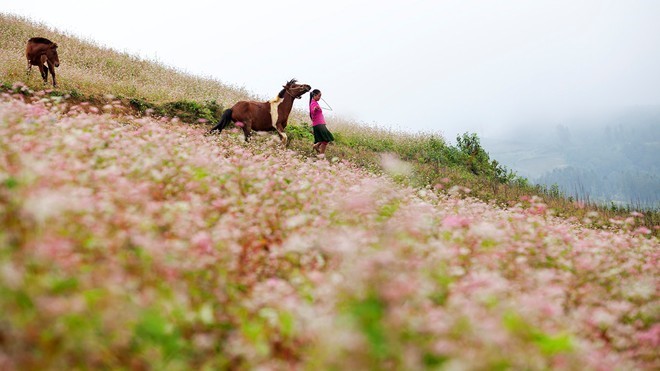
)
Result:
{"points": [[44, 72], [247, 129]]}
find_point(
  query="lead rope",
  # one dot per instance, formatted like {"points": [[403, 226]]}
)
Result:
{"points": [[326, 103]]}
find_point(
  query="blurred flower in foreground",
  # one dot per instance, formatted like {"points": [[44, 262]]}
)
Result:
{"points": [[395, 166]]}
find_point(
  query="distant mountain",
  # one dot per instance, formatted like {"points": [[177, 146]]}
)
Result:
{"points": [[606, 158]]}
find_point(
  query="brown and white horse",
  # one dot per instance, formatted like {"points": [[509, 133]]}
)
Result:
{"points": [[41, 52], [264, 116]]}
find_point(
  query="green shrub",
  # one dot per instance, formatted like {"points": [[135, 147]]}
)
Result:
{"points": [[300, 130], [140, 104], [186, 110]]}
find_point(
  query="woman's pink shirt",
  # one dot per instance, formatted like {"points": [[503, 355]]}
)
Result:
{"points": [[316, 112]]}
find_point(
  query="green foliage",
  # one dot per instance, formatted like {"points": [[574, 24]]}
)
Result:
{"points": [[475, 157], [141, 105], [154, 329], [191, 111], [356, 140], [186, 110], [10, 183], [75, 94], [368, 315], [434, 150], [301, 131], [553, 344], [432, 360], [548, 344]]}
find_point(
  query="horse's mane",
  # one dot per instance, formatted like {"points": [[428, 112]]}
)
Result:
{"points": [[40, 40], [289, 83]]}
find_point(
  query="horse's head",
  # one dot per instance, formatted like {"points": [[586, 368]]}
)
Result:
{"points": [[296, 90], [51, 54]]}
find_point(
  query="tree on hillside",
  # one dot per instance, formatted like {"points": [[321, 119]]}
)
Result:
{"points": [[478, 161]]}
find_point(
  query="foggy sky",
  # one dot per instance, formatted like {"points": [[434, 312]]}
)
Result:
{"points": [[440, 66]]}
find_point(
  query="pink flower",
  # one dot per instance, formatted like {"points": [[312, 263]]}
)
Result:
{"points": [[455, 221], [650, 337], [203, 242], [642, 230]]}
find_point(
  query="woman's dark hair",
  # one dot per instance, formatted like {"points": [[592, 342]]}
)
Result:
{"points": [[312, 94]]}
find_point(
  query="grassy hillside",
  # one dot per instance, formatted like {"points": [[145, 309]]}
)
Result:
{"points": [[133, 240], [92, 70], [90, 73]]}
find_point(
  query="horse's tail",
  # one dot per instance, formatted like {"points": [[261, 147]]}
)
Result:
{"points": [[224, 120]]}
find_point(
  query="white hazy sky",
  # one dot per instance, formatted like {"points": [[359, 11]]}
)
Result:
{"points": [[445, 66]]}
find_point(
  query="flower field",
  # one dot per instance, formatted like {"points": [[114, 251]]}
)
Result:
{"points": [[143, 243]]}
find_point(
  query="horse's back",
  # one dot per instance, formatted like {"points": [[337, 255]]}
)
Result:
{"points": [[39, 40], [35, 47], [256, 113], [251, 107]]}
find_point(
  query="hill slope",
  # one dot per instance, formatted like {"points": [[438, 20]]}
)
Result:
{"points": [[130, 242], [94, 70], [90, 73]]}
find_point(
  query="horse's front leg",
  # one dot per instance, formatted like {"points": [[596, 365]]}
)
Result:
{"points": [[43, 68], [280, 132], [52, 72]]}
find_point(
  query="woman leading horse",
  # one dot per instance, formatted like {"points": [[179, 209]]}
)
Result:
{"points": [[264, 116]]}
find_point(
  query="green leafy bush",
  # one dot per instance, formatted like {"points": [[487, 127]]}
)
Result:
{"points": [[301, 131]]}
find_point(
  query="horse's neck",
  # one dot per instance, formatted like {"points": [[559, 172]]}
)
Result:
{"points": [[287, 104]]}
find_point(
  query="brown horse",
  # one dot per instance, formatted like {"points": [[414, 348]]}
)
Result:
{"points": [[264, 116], [39, 52]]}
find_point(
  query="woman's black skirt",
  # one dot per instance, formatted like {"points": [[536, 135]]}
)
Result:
{"points": [[322, 134]]}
